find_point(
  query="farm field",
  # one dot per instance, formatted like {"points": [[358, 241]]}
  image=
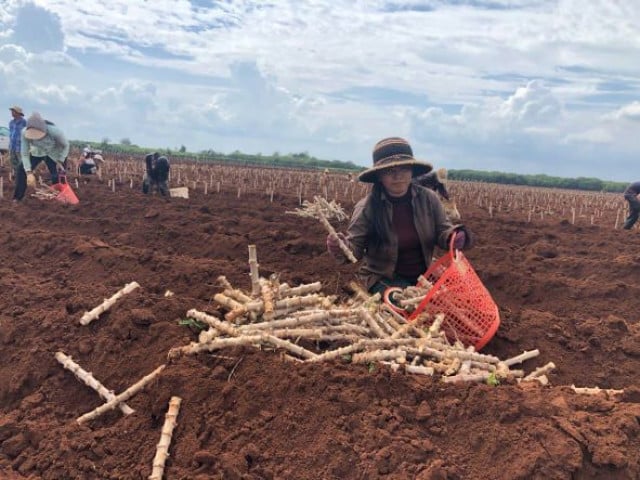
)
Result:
{"points": [[563, 274]]}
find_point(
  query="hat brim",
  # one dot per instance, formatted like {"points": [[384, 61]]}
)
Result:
{"points": [[17, 110], [419, 168], [33, 134]]}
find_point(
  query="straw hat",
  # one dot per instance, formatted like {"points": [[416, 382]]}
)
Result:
{"points": [[36, 127], [18, 110], [393, 152]]}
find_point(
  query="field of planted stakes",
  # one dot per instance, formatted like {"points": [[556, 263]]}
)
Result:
{"points": [[144, 337]]}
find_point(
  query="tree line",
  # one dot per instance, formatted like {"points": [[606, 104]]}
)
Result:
{"points": [[305, 161], [539, 180]]}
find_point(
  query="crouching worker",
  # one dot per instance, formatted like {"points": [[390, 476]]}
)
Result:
{"points": [[631, 196], [395, 228], [90, 164], [435, 180], [156, 175], [42, 141]]}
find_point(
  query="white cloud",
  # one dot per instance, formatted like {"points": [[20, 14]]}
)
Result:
{"points": [[506, 83], [595, 135], [627, 112], [53, 94]]}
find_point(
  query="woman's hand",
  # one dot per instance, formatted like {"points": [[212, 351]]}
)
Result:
{"points": [[460, 240], [31, 180], [333, 244]]}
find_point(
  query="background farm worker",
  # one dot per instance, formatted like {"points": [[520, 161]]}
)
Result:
{"points": [[396, 227], [631, 195], [16, 125], [88, 164], [434, 180], [156, 175], [42, 141]]}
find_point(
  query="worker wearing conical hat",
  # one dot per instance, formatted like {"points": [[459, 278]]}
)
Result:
{"points": [[16, 125], [42, 141]]}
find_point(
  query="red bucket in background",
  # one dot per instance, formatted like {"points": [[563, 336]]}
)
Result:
{"points": [[471, 315], [66, 193]]}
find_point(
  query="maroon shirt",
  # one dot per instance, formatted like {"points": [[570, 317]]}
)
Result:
{"points": [[410, 262]]}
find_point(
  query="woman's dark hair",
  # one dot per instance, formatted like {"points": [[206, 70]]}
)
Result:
{"points": [[378, 234]]}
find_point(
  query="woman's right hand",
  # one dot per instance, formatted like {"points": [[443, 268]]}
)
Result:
{"points": [[31, 180], [333, 244]]}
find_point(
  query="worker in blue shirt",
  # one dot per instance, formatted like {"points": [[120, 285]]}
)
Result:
{"points": [[16, 125]]}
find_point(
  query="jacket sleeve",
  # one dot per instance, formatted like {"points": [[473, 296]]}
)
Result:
{"points": [[358, 229], [61, 143], [444, 228], [442, 190], [25, 151]]}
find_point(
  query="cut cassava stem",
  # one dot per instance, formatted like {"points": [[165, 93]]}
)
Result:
{"points": [[304, 289], [92, 315], [343, 246], [253, 271], [121, 397], [378, 355], [214, 322], [217, 344], [220, 343], [89, 380], [540, 371], [361, 345], [304, 318], [322, 210], [526, 355], [369, 320], [266, 290], [597, 391], [162, 449]]}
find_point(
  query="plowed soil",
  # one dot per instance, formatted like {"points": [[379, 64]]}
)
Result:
{"points": [[570, 291]]}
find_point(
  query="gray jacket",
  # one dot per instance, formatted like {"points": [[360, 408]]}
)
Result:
{"points": [[430, 221]]}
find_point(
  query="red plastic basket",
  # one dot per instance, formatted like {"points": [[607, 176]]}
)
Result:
{"points": [[471, 315], [65, 192]]}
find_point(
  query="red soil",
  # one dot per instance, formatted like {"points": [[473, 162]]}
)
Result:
{"points": [[570, 291]]}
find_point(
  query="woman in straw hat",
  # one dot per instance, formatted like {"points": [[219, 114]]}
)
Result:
{"points": [[42, 141], [396, 227], [16, 125]]}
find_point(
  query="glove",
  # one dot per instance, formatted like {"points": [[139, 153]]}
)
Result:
{"points": [[459, 240], [333, 245], [31, 180]]}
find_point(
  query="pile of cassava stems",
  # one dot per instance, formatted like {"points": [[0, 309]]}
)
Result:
{"points": [[299, 320]]}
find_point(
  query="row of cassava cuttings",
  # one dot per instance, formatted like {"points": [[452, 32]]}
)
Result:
{"points": [[214, 178]]}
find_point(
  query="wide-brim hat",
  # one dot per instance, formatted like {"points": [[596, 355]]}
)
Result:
{"points": [[36, 127], [33, 134], [17, 109], [393, 152]]}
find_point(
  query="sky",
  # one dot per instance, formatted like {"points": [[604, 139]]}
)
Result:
{"points": [[522, 86]]}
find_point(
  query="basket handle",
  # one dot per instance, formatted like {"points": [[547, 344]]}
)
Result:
{"points": [[453, 251], [386, 298]]}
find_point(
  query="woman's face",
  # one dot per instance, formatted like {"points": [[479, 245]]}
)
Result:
{"points": [[396, 180]]}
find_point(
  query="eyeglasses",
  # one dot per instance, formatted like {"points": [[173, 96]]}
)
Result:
{"points": [[399, 170]]}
